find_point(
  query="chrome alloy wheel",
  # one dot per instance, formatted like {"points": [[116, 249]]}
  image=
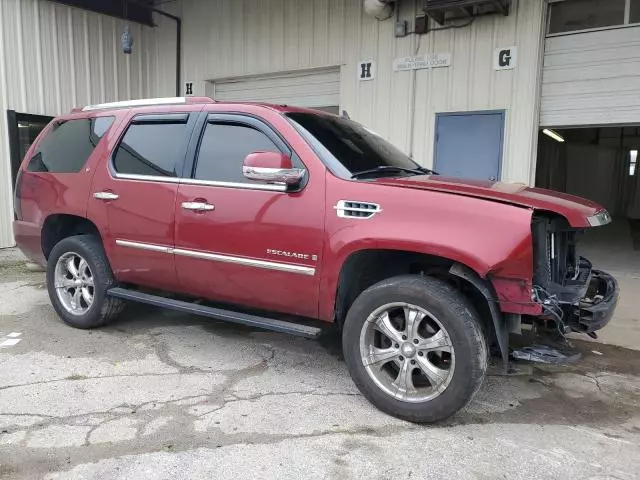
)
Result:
{"points": [[407, 352], [74, 283]]}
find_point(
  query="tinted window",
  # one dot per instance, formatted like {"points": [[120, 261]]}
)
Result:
{"points": [[68, 145], [223, 150], [634, 12], [151, 149], [572, 15], [347, 146]]}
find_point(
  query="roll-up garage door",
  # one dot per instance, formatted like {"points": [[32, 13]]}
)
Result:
{"points": [[591, 78], [313, 89]]}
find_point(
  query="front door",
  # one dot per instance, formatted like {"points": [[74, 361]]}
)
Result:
{"points": [[249, 243], [134, 196], [469, 145]]}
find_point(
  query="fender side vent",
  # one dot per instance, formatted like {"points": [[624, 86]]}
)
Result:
{"points": [[353, 209]]}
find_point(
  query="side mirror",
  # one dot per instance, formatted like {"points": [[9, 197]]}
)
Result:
{"points": [[272, 167]]}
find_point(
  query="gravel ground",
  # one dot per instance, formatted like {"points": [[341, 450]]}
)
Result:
{"points": [[165, 395]]}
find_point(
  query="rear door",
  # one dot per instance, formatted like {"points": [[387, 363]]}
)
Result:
{"points": [[134, 194], [256, 245]]}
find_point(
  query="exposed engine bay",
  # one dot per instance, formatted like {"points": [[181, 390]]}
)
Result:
{"points": [[573, 296]]}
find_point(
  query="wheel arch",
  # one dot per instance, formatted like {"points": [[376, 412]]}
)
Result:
{"points": [[364, 267], [59, 226]]}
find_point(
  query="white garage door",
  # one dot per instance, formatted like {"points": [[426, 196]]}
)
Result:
{"points": [[317, 89], [591, 78]]}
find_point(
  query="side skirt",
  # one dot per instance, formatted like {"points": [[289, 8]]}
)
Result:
{"points": [[217, 313]]}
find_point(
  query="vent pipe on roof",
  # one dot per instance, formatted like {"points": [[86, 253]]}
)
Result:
{"points": [[380, 9]]}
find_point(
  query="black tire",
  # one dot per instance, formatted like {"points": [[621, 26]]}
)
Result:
{"points": [[458, 318], [103, 308]]}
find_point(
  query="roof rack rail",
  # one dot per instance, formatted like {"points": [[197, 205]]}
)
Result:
{"points": [[144, 102]]}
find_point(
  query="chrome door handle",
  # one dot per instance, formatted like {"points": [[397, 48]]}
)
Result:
{"points": [[106, 196], [197, 206]]}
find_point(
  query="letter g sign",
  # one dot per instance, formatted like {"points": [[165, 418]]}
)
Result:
{"points": [[505, 58]]}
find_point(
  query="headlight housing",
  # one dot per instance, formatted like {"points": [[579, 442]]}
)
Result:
{"points": [[601, 218]]}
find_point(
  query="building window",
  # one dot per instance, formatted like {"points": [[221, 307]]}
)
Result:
{"points": [[634, 11], [633, 162], [574, 15]]}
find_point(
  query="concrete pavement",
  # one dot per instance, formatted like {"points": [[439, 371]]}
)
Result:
{"points": [[165, 395]]}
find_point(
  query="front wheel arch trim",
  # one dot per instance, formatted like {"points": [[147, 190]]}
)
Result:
{"points": [[488, 292]]}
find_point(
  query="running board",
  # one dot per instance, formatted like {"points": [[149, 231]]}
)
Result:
{"points": [[217, 313]]}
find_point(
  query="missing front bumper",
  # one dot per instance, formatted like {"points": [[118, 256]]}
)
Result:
{"points": [[597, 307]]}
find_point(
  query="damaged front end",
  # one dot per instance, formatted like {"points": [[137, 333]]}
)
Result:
{"points": [[573, 296], [563, 294]]}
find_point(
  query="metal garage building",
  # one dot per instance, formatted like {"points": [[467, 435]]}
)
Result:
{"points": [[54, 57], [465, 86], [590, 104], [234, 48]]}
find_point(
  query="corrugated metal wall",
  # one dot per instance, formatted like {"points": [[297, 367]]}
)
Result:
{"points": [[592, 78], [53, 58], [233, 38]]}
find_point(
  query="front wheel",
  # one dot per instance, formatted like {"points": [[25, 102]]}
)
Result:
{"points": [[414, 347]]}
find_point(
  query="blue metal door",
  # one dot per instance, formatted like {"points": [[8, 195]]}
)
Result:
{"points": [[469, 144]]}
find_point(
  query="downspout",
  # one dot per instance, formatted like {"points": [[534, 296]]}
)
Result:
{"points": [[178, 21], [414, 80]]}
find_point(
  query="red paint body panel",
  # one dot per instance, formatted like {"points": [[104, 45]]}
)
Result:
{"points": [[143, 213], [485, 226], [44, 194], [574, 209], [246, 223], [28, 238], [488, 237], [267, 160]]}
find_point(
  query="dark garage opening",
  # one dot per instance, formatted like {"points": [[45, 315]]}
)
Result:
{"points": [[601, 164], [23, 130]]}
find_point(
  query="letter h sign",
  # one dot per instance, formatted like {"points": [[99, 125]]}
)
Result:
{"points": [[366, 70]]}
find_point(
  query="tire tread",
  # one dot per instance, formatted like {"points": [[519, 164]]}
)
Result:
{"points": [[458, 307], [103, 279]]}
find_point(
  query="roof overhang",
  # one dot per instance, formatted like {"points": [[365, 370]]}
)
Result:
{"points": [[133, 10]]}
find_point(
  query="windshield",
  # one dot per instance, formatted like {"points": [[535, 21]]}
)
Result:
{"points": [[349, 148]]}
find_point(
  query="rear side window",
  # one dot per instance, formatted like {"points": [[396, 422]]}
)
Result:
{"points": [[68, 145], [153, 146]]}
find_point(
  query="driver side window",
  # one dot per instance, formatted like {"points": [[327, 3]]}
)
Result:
{"points": [[223, 149]]}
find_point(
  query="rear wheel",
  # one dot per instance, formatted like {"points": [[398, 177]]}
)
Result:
{"points": [[414, 347], [78, 276]]}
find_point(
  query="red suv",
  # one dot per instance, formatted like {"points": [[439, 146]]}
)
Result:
{"points": [[285, 216]]}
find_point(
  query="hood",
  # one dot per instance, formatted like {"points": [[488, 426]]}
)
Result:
{"points": [[579, 212]]}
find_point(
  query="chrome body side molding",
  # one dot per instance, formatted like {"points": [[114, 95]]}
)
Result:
{"points": [[217, 257]]}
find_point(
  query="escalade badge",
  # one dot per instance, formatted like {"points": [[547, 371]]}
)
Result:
{"points": [[286, 253]]}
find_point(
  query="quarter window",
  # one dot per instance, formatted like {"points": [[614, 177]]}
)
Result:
{"points": [[68, 145], [151, 148], [223, 149]]}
